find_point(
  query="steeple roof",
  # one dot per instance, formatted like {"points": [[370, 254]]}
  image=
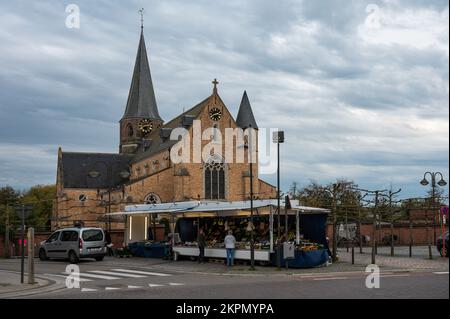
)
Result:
{"points": [[245, 118], [141, 99]]}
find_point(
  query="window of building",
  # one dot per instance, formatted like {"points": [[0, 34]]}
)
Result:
{"points": [[214, 171], [152, 198], [130, 131]]}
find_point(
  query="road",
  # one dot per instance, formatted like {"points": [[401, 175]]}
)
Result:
{"points": [[129, 279]]}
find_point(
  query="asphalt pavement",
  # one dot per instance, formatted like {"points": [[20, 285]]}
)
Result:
{"points": [[154, 279]]}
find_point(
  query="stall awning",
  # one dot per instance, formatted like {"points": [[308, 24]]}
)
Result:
{"points": [[215, 206]]}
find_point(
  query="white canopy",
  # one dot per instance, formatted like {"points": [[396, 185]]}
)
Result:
{"points": [[214, 206]]}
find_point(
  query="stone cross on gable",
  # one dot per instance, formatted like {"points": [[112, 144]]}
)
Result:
{"points": [[215, 82]]}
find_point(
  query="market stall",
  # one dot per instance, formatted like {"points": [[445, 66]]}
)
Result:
{"points": [[306, 227]]}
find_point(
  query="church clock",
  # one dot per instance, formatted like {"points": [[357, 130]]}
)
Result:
{"points": [[145, 126], [215, 114]]}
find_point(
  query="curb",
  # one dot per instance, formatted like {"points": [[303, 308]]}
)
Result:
{"points": [[33, 290]]}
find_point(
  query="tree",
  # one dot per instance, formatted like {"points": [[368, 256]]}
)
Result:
{"points": [[41, 197], [8, 196], [315, 195]]}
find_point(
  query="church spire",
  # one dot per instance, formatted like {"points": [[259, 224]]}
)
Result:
{"points": [[141, 101], [245, 118]]}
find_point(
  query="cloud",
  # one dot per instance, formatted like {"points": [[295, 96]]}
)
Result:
{"points": [[364, 101]]}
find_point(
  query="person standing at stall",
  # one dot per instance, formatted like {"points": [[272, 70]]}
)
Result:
{"points": [[230, 245], [201, 241]]}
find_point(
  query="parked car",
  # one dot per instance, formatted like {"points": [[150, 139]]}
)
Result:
{"points": [[74, 244], [440, 247]]}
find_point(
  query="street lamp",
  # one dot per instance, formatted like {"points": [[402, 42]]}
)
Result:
{"points": [[441, 183], [278, 138], [249, 147], [124, 174]]}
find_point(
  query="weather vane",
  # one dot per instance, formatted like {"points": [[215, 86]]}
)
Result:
{"points": [[142, 17]]}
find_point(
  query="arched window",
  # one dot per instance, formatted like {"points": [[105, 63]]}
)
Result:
{"points": [[152, 198], [214, 171], [130, 131]]}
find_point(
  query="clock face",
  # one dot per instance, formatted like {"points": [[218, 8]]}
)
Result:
{"points": [[215, 114], [145, 126]]}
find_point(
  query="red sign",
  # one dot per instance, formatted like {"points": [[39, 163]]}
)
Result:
{"points": [[24, 242]]}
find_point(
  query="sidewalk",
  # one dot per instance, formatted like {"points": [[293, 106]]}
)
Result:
{"points": [[399, 261], [10, 286], [187, 266]]}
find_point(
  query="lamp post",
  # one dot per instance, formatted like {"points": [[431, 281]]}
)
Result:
{"points": [[278, 138], [252, 240], [441, 183], [335, 237], [124, 174]]}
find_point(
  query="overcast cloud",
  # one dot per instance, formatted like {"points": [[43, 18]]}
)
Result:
{"points": [[361, 95]]}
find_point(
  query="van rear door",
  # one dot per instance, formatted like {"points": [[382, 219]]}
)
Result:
{"points": [[93, 241]]}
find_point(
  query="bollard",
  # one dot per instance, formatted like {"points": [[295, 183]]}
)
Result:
{"points": [[30, 247]]}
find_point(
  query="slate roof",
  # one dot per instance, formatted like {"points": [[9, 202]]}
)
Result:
{"points": [[76, 167], [141, 101], [245, 118]]}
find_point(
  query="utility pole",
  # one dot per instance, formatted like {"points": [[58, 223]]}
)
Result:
{"points": [[252, 242], [7, 251], [335, 237], [278, 191], [22, 261]]}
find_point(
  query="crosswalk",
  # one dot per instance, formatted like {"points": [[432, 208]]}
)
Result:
{"points": [[109, 274], [92, 276]]}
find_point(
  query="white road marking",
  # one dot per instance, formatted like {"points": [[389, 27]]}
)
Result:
{"points": [[87, 289], [135, 287], [441, 273], [142, 272], [400, 275], [111, 288], [116, 274], [154, 285], [175, 284], [331, 278], [65, 276], [95, 276]]}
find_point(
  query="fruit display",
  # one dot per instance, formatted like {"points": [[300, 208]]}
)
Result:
{"points": [[308, 246], [217, 228]]}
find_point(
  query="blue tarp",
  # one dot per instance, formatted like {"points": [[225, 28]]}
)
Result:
{"points": [[313, 228], [148, 250], [304, 259]]}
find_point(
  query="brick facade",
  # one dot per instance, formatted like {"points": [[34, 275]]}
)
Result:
{"points": [[157, 174], [402, 231]]}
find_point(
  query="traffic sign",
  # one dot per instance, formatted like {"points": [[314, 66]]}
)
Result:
{"points": [[25, 209]]}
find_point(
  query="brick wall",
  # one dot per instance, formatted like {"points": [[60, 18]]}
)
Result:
{"points": [[401, 231]]}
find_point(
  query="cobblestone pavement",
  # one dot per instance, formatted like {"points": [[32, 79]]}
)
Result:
{"points": [[419, 261]]}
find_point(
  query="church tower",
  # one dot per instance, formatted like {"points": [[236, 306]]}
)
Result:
{"points": [[141, 115]]}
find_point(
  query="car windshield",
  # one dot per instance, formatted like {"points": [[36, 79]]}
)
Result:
{"points": [[92, 235]]}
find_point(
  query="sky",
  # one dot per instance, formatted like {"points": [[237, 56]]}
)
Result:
{"points": [[361, 88]]}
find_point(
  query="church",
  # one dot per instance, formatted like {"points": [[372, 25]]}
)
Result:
{"points": [[92, 185]]}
